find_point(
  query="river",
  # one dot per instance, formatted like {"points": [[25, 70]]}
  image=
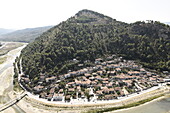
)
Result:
{"points": [[6, 78], [158, 106]]}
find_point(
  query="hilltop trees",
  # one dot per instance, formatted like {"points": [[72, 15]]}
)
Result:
{"points": [[89, 35]]}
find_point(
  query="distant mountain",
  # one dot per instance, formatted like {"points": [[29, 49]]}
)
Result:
{"points": [[89, 35], [5, 31], [25, 35]]}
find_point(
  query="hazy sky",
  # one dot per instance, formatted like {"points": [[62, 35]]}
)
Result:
{"points": [[19, 14]]}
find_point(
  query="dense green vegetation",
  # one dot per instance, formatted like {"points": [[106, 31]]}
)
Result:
{"points": [[16, 73], [24, 35], [89, 35]]}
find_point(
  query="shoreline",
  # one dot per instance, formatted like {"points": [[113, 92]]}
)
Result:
{"points": [[124, 109], [7, 67], [128, 106], [6, 74]]}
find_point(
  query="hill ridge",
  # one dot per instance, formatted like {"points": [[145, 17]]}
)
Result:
{"points": [[88, 36]]}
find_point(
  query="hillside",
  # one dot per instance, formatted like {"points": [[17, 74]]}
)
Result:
{"points": [[24, 35], [89, 35], [5, 31]]}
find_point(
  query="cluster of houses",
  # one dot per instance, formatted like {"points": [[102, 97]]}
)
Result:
{"points": [[110, 78]]}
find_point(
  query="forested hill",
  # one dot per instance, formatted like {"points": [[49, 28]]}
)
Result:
{"points": [[24, 35], [89, 35]]}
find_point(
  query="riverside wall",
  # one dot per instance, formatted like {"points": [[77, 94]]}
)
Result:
{"points": [[111, 103]]}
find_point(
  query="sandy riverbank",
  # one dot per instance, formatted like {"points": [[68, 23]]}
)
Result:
{"points": [[6, 81], [157, 99], [7, 72]]}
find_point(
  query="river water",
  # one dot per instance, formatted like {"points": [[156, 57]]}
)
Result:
{"points": [[9, 63], [158, 106]]}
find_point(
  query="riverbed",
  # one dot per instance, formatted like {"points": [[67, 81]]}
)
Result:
{"points": [[158, 106], [6, 78]]}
